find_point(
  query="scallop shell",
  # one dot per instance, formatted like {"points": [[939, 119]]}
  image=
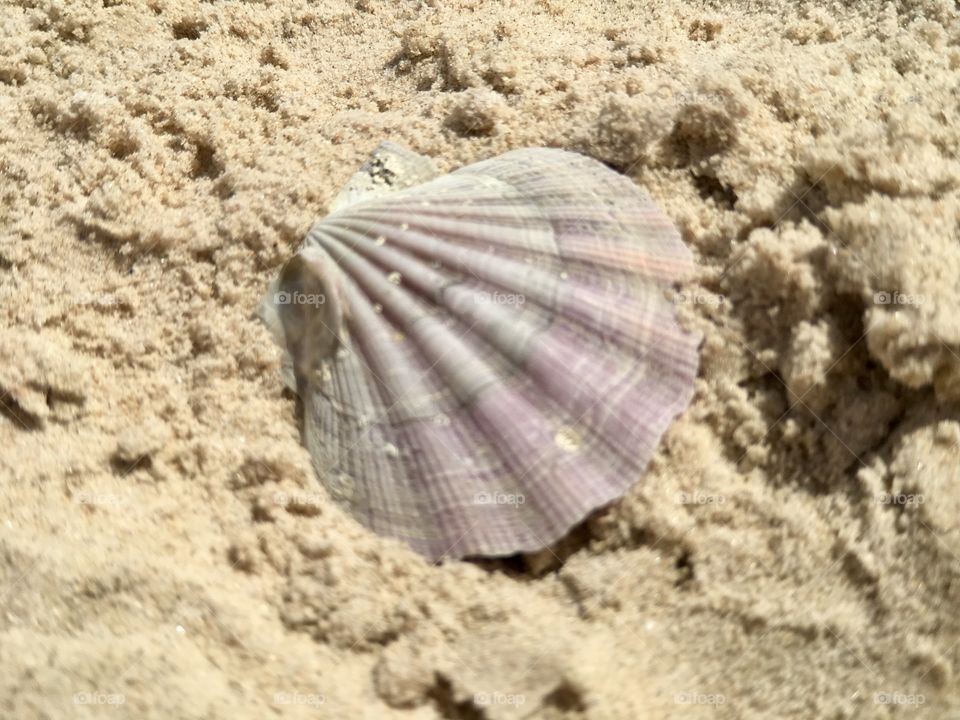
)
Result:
{"points": [[487, 356]]}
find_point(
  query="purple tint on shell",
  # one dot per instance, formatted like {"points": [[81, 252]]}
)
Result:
{"points": [[510, 361]]}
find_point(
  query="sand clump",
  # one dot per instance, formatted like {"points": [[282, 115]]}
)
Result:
{"points": [[165, 550]]}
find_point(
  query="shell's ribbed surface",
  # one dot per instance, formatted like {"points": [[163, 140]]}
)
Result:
{"points": [[511, 361]]}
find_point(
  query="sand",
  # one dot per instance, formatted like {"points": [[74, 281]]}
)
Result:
{"points": [[793, 550]]}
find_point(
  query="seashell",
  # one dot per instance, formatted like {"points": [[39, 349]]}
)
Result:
{"points": [[487, 356]]}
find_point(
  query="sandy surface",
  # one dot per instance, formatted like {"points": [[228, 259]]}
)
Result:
{"points": [[165, 551]]}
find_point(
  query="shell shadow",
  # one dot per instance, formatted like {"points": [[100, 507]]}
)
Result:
{"points": [[527, 567]]}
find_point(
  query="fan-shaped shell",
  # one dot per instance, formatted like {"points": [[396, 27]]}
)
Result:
{"points": [[487, 356]]}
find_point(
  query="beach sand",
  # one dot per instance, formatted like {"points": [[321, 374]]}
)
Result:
{"points": [[793, 550]]}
